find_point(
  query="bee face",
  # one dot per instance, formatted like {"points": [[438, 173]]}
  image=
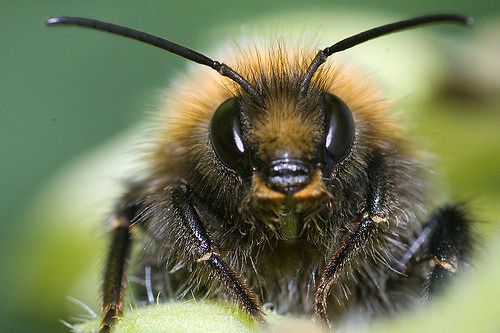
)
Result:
{"points": [[276, 142], [282, 145]]}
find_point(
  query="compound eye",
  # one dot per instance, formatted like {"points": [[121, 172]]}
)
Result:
{"points": [[225, 133], [339, 129]]}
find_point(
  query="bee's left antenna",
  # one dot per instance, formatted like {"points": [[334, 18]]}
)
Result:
{"points": [[162, 43], [375, 33]]}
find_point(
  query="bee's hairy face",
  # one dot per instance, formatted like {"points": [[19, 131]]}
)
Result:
{"points": [[287, 144], [283, 147]]}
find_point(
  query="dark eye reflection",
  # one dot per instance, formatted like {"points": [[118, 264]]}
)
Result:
{"points": [[340, 130], [225, 135]]}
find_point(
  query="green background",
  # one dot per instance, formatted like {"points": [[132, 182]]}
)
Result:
{"points": [[65, 91]]}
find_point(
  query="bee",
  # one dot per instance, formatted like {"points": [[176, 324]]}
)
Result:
{"points": [[283, 179]]}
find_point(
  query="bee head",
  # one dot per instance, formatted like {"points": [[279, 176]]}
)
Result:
{"points": [[286, 143]]}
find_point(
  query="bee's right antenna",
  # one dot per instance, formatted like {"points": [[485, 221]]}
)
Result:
{"points": [[374, 33], [162, 43]]}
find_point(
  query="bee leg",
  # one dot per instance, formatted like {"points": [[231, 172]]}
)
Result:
{"points": [[447, 241], [354, 241], [349, 247], [200, 241], [450, 246], [115, 277]]}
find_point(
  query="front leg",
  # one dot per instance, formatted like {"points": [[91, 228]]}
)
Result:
{"points": [[201, 244], [365, 229]]}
